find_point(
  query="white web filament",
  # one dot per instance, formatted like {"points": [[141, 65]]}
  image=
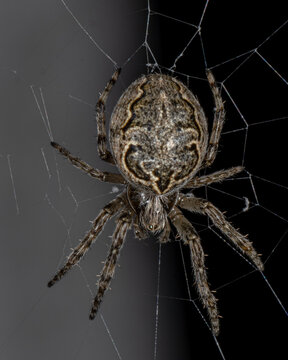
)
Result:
{"points": [[47, 205]]}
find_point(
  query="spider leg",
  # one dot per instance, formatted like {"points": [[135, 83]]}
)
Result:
{"points": [[240, 241], [139, 233], [190, 237], [80, 164], [103, 151], [219, 117], [123, 224], [214, 177], [107, 212], [164, 236]]}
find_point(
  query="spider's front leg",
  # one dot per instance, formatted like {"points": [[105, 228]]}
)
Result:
{"points": [[190, 237], [107, 212], [123, 224], [240, 241]]}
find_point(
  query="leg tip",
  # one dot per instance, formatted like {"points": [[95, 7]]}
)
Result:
{"points": [[216, 327], [240, 168], [208, 72], [92, 316], [50, 283]]}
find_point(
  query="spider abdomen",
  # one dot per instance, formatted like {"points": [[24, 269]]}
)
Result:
{"points": [[158, 133]]}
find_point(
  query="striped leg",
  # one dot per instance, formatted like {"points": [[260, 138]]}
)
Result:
{"points": [[80, 164], [219, 117], [217, 176], [107, 212], [123, 224], [103, 151], [240, 241], [190, 237]]}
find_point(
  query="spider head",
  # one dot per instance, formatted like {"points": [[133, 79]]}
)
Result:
{"points": [[152, 210], [152, 215]]}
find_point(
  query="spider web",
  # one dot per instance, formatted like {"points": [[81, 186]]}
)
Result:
{"points": [[55, 59]]}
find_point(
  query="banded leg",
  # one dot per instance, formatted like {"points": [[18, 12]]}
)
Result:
{"points": [[123, 224], [240, 241], [190, 237], [217, 176], [80, 164], [103, 151], [219, 117], [107, 212]]}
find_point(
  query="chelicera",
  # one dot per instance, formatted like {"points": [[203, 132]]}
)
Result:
{"points": [[159, 141]]}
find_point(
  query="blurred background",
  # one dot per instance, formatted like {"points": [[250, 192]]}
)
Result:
{"points": [[56, 57]]}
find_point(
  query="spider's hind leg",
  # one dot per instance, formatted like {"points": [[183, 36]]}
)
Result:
{"points": [[218, 122], [190, 237], [103, 151]]}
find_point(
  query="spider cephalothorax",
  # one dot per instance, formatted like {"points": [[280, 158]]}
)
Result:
{"points": [[151, 210], [159, 139]]}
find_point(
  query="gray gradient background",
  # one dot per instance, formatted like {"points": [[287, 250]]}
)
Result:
{"points": [[41, 46]]}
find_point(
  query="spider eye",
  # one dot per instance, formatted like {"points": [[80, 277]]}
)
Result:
{"points": [[150, 227]]}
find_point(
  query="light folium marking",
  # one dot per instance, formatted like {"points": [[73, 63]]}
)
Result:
{"points": [[160, 136]]}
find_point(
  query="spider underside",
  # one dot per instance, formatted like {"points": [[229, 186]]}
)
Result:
{"points": [[160, 141]]}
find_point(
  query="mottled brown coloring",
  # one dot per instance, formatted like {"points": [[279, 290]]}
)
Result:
{"points": [[159, 141], [159, 133]]}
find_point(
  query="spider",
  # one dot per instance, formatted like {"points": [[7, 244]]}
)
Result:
{"points": [[159, 140]]}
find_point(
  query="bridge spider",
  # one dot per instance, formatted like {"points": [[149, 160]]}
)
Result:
{"points": [[159, 140]]}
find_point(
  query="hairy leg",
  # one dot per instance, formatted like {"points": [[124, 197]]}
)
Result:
{"points": [[190, 237], [139, 233], [240, 241], [217, 176], [103, 151], [106, 213], [80, 164], [219, 117], [123, 224]]}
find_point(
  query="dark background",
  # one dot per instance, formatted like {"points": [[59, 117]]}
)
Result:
{"points": [[41, 46], [249, 328]]}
